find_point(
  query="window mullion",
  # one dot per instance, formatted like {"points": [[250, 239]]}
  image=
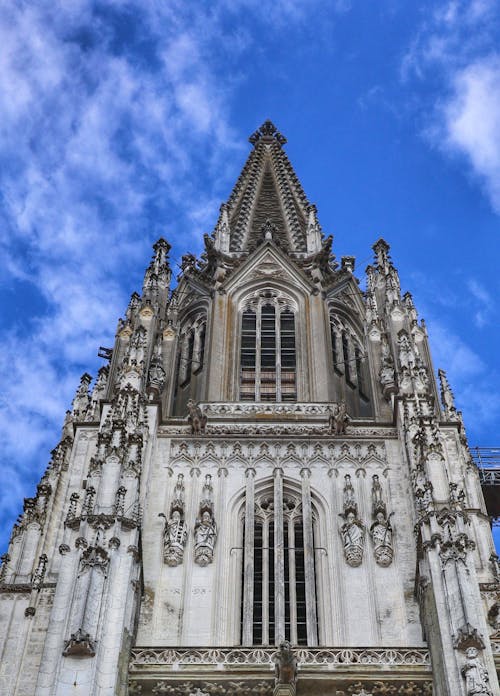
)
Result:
{"points": [[279, 569], [248, 559], [277, 331], [265, 582], [258, 339], [310, 584], [291, 576]]}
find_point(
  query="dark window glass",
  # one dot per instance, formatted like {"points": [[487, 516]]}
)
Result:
{"points": [[201, 357], [359, 370], [248, 355], [345, 353]]}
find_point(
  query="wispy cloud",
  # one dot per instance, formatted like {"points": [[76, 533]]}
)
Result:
{"points": [[484, 303], [456, 52], [114, 119], [469, 377]]}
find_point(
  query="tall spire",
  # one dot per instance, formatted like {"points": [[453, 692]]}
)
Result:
{"points": [[267, 191]]}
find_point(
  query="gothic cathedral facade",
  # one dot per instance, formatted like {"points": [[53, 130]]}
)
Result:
{"points": [[265, 491]]}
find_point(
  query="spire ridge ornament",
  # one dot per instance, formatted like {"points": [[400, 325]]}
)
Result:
{"points": [[267, 133], [447, 398]]}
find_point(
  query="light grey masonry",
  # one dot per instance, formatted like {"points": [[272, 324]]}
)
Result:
{"points": [[181, 531]]}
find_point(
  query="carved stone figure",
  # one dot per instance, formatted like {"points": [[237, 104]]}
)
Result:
{"points": [[377, 502], [494, 618], [205, 535], [175, 531], [475, 674], [174, 539], [196, 418], [285, 664], [381, 534], [349, 499], [387, 373], [339, 419], [353, 537]]}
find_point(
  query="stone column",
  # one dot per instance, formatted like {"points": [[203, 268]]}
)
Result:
{"points": [[310, 582], [292, 582], [248, 559], [279, 559], [265, 580]]}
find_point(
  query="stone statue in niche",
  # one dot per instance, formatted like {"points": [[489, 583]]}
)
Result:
{"points": [[174, 538], [156, 374], [205, 534], [196, 418], [381, 535], [205, 530], [353, 530], [494, 619], [339, 419], [349, 500], [381, 530], [353, 537], [285, 669], [475, 675], [387, 374], [175, 531]]}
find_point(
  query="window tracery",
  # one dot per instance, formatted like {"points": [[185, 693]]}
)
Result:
{"points": [[268, 361], [191, 352], [348, 355], [265, 583]]}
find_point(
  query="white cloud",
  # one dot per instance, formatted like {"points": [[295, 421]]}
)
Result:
{"points": [[456, 51], [102, 136], [462, 363], [484, 302], [471, 121], [469, 377]]}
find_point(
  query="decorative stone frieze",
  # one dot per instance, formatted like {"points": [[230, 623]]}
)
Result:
{"points": [[207, 452], [312, 657]]}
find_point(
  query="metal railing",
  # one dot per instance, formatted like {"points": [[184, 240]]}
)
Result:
{"points": [[487, 460]]}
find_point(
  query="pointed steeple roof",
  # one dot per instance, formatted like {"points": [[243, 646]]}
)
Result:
{"points": [[268, 198]]}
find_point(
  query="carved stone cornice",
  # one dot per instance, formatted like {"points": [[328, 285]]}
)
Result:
{"points": [[174, 658], [25, 587], [297, 454]]}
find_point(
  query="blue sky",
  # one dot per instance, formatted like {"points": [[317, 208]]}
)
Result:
{"points": [[123, 121]]}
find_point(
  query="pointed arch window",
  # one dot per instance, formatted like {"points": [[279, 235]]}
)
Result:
{"points": [[191, 352], [268, 369], [350, 366], [280, 564]]}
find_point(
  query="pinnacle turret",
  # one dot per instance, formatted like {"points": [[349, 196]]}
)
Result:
{"points": [[268, 189]]}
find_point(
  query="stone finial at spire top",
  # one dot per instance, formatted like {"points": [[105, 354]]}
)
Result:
{"points": [[268, 133], [160, 257], [158, 272], [381, 249]]}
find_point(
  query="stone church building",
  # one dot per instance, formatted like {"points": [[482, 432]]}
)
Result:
{"points": [[264, 491]]}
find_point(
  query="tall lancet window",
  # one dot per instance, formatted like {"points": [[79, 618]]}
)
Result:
{"points": [[268, 355], [279, 587]]}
